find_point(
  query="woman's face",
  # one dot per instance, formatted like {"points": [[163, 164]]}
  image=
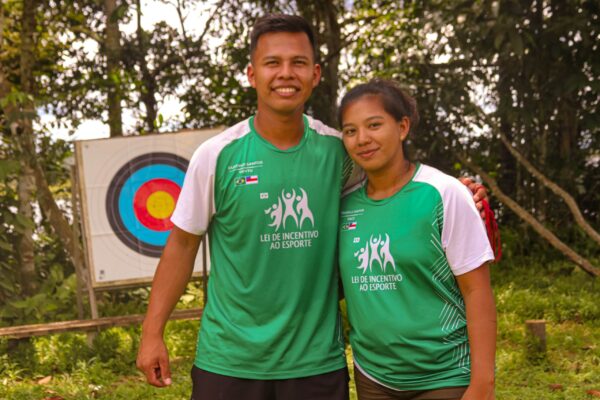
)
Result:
{"points": [[372, 137]]}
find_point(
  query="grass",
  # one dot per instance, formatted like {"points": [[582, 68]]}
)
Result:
{"points": [[562, 295]]}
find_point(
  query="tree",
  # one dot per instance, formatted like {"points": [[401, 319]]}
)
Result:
{"points": [[24, 131], [113, 56], [30, 57]]}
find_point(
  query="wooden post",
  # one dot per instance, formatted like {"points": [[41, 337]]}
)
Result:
{"points": [[23, 331], [91, 336], [536, 337], [86, 255], [79, 269]]}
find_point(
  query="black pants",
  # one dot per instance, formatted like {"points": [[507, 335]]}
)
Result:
{"points": [[328, 386], [369, 390]]}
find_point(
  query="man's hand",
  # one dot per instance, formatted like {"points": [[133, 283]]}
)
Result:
{"points": [[172, 275], [479, 193], [153, 361]]}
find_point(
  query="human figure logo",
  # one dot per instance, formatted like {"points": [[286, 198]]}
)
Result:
{"points": [[290, 206], [375, 251]]}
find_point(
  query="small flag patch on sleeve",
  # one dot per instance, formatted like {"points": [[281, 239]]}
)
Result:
{"points": [[246, 180], [350, 226]]}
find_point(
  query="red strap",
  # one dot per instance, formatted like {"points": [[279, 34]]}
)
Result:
{"points": [[492, 230]]}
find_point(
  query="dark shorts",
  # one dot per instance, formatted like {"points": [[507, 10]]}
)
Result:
{"points": [[369, 390], [328, 386]]}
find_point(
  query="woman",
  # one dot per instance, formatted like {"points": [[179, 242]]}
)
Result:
{"points": [[413, 261]]}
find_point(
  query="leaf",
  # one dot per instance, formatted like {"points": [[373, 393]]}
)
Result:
{"points": [[516, 43], [499, 39], [45, 380], [24, 222], [8, 167], [5, 246], [20, 304], [119, 13], [574, 82]]}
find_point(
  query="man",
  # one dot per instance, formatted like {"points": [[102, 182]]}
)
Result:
{"points": [[267, 192]]}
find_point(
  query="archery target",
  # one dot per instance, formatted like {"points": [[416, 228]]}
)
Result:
{"points": [[129, 187], [141, 199]]}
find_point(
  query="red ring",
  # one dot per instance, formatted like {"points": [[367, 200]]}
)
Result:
{"points": [[140, 201]]}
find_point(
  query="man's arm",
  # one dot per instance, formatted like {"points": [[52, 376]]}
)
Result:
{"points": [[481, 326], [172, 275]]}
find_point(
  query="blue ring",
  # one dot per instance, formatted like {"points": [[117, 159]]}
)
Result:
{"points": [[127, 194]]}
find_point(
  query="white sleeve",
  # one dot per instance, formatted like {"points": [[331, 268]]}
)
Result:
{"points": [[464, 236], [195, 206]]}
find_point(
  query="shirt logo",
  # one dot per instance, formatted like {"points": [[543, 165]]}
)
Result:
{"points": [[247, 180], [375, 251], [290, 205]]}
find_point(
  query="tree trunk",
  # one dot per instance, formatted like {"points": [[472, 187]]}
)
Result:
{"points": [[25, 245], [540, 76], [511, 174], [26, 185], [148, 89], [324, 17], [542, 201], [568, 138], [113, 50], [530, 219], [55, 216]]}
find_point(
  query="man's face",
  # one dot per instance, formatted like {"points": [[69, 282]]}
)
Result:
{"points": [[283, 72]]}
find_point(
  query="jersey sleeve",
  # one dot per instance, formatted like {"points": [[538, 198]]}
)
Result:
{"points": [[463, 234], [353, 176], [195, 205]]}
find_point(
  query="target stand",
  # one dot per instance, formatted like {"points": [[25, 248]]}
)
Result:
{"points": [[128, 188]]}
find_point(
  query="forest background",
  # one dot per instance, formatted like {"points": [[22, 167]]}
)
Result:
{"points": [[507, 90]]}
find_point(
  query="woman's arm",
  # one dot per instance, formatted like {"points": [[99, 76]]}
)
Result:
{"points": [[481, 326]]}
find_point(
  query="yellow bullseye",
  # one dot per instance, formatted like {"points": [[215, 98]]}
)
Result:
{"points": [[160, 205]]}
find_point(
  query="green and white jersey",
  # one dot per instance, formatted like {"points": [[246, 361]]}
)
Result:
{"points": [[272, 218], [398, 261]]}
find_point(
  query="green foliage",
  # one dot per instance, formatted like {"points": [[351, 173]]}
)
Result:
{"points": [[566, 298], [105, 371], [53, 302], [526, 68], [568, 293], [525, 289]]}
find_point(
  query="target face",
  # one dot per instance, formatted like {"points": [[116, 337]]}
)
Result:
{"points": [[129, 187], [141, 198]]}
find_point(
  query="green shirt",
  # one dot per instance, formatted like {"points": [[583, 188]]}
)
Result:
{"points": [[272, 217], [398, 261]]}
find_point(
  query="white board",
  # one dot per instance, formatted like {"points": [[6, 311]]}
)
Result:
{"points": [[128, 189]]}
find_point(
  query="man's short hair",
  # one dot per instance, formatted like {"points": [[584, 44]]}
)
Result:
{"points": [[281, 23]]}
